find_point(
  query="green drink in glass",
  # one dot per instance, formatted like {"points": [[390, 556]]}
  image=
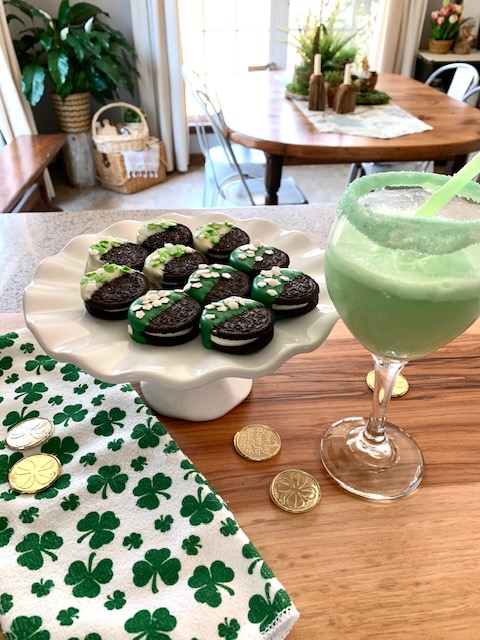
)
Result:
{"points": [[404, 286]]}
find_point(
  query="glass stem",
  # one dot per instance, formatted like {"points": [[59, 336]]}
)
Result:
{"points": [[386, 374]]}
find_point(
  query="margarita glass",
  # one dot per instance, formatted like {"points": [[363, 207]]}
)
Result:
{"points": [[404, 286]]}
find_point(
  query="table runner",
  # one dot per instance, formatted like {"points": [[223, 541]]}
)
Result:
{"points": [[379, 121], [131, 541]]}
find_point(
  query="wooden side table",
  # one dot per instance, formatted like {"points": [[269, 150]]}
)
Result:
{"points": [[22, 163]]}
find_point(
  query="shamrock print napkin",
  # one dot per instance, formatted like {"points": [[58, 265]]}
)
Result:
{"points": [[130, 542]]}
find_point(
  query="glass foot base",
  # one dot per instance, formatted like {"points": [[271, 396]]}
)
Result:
{"points": [[379, 473]]}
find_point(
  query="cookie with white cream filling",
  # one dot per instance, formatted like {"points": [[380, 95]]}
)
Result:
{"points": [[256, 256], [286, 291], [216, 240], [164, 318], [108, 291], [170, 266], [110, 250], [156, 233], [236, 325], [212, 282]]}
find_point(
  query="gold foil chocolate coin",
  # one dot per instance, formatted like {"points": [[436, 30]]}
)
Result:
{"points": [[257, 442], [295, 491], [34, 473], [401, 385], [29, 433]]}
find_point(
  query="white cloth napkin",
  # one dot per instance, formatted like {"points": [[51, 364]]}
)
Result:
{"points": [[143, 164], [131, 541], [379, 121]]}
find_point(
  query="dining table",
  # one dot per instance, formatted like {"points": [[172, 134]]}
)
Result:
{"points": [[258, 114], [355, 569]]}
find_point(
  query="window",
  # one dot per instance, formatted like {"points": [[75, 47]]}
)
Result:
{"points": [[229, 36]]}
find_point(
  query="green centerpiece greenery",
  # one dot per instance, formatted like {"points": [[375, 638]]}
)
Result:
{"points": [[77, 51], [326, 37]]}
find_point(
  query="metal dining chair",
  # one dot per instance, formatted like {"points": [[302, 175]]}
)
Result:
{"points": [[463, 83], [234, 175]]}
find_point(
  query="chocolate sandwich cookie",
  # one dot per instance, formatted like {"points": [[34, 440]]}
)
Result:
{"points": [[286, 291], [170, 266], [164, 318], [236, 325], [110, 250], [212, 282], [217, 240], [108, 291], [256, 256], [156, 233]]}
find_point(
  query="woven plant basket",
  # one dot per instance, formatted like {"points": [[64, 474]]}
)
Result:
{"points": [[111, 172], [440, 46], [111, 142], [73, 113]]}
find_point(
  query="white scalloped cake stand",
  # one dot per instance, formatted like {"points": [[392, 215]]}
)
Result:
{"points": [[185, 381]]}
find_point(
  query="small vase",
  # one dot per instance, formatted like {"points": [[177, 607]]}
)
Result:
{"points": [[73, 113], [440, 46]]}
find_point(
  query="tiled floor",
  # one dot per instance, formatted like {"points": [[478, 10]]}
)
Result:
{"points": [[322, 184]]}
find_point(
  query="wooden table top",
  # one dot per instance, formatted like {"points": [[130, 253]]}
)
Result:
{"points": [[258, 115], [23, 161], [356, 569]]}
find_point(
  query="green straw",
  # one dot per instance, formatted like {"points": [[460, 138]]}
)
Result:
{"points": [[450, 189]]}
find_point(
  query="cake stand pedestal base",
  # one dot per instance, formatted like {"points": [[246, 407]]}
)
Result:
{"points": [[207, 402]]}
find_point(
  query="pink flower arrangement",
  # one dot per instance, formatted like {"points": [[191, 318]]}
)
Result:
{"points": [[446, 21]]}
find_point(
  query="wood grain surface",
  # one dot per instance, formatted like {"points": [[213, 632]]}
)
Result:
{"points": [[356, 569], [258, 115], [22, 163]]}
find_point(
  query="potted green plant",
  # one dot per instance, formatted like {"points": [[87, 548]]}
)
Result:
{"points": [[325, 37], [78, 53]]}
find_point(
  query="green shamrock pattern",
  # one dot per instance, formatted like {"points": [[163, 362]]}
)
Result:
{"points": [[131, 536]]}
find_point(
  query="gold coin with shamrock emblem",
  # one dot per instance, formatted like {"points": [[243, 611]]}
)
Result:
{"points": [[34, 473], [295, 491], [400, 388], [29, 433], [257, 442]]}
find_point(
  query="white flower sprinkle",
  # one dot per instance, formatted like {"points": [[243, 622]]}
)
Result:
{"points": [[272, 292], [140, 314]]}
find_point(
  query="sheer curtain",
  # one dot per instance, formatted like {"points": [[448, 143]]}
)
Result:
{"points": [[15, 113], [156, 35], [397, 37], [16, 118]]}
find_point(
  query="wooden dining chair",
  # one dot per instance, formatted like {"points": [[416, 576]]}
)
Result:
{"points": [[462, 86], [234, 175]]}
